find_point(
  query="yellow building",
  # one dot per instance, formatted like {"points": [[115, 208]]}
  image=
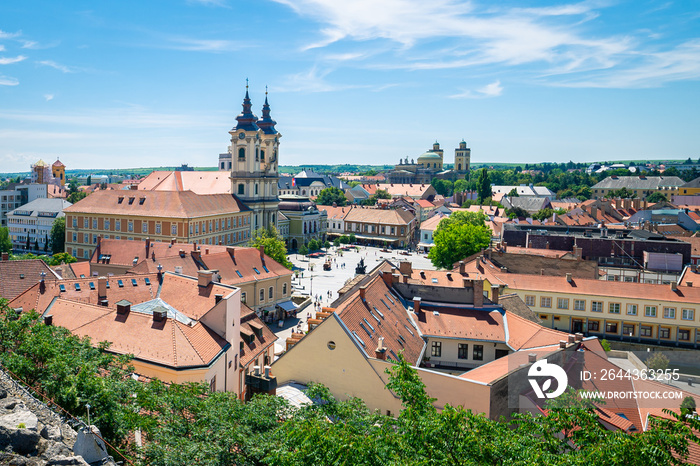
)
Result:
{"points": [[159, 215], [636, 312], [691, 188]]}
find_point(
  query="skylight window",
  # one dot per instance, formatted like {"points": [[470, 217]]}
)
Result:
{"points": [[378, 311], [107, 285], [256, 270], [147, 281], [365, 329], [142, 200], [62, 288], [368, 324], [131, 200], [239, 274], [434, 280], [120, 283], [389, 298], [409, 330], [384, 303], [354, 334], [92, 285], [265, 267], [120, 199], [133, 282], [77, 287]]}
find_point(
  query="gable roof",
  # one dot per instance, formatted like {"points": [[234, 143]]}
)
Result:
{"points": [[382, 216], [262, 336], [19, 275], [199, 182]]}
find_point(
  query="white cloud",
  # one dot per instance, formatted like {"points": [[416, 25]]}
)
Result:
{"points": [[490, 90], [2, 48], [48, 97], [58, 66], [189, 44], [10, 60], [8, 35], [8, 81]]}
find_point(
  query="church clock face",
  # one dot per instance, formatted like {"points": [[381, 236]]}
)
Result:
{"points": [[241, 135]]}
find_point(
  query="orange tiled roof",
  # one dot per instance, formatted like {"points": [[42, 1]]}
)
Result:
{"points": [[170, 342], [20, 275], [123, 251], [181, 204], [382, 216], [412, 190], [198, 182], [335, 213], [380, 314], [263, 336], [431, 223]]}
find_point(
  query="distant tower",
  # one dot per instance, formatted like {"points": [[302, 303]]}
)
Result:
{"points": [[436, 149], [463, 156], [254, 150], [59, 172]]}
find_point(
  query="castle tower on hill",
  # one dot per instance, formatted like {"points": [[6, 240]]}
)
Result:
{"points": [[253, 162]]}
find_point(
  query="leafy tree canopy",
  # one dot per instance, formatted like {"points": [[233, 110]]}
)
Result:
{"points": [[273, 243], [57, 237], [458, 236], [5, 241], [331, 195], [656, 197]]}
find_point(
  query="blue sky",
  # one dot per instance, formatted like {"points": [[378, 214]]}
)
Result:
{"points": [[151, 83]]}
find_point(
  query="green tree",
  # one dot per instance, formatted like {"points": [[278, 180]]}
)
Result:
{"points": [[314, 245], [483, 186], [76, 196], [688, 405], [273, 243], [60, 258], [345, 239], [517, 212], [623, 193], [331, 195], [513, 193], [303, 250], [336, 242], [58, 235], [352, 238], [458, 236], [5, 241], [379, 194], [657, 361], [89, 181], [657, 197]]}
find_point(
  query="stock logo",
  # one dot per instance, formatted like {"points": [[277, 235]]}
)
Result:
{"points": [[542, 369]]}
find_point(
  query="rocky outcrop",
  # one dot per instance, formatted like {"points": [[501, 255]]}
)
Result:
{"points": [[33, 435]]}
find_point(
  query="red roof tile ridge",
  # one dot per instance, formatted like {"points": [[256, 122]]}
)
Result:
{"points": [[172, 324], [176, 326], [106, 311]]}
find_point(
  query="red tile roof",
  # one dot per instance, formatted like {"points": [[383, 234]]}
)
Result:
{"points": [[20, 275], [169, 343], [263, 336], [123, 252], [198, 182]]}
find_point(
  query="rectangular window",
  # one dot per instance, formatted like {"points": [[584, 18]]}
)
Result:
{"points": [[688, 314], [271, 293], [75, 222], [478, 353], [158, 228], [593, 325], [436, 349], [645, 331], [243, 297], [649, 311], [144, 226], [579, 305], [173, 229], [669, 313], [545, 301], [130, 225], [94, 224], [683, 334], [631, 309], [529, 300], [86, 222], [614, 308], [75, 237], [463, 351], [107, 225], [562, 303], [628, 329], [664, 332], [262, 296], [596, 306], [611, 327], [118, 225]]}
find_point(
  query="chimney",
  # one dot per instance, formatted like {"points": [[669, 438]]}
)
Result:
{"points": [[159, 315], [494, 293], [394, 277], [256, 370], [123, 307], [48, 319], [172, 241], [578, 252], [478, 293], [5, 256], [405, 268], [386, 276], [218, 298], [204, 277], [148, 245], [404, 278], [504, 269], [541, 271], [194, 245], [101, 287], [462, 267], [267, 372], [206, 251], [674, 286], [416, 305], [363, 292], [153, 255], [562, 343], [579, 336], [262, 252], [380, 352], [532, 358], [569, 278], [571, 338], [504, 246]]}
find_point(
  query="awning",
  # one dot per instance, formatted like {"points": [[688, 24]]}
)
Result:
{"points": [[287, 306], [388, 239]]}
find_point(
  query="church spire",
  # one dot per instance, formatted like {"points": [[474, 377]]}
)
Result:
{"points": [[266, 123], [246, 120]]}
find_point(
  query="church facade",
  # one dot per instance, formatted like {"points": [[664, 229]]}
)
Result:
{"points": [[252, 160], [430, 165]]}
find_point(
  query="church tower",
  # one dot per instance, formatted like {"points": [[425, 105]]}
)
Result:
{"points": [[254, 151], [463, 156]]}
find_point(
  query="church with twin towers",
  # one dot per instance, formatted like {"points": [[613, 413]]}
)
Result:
{"points": [[252, 160]]}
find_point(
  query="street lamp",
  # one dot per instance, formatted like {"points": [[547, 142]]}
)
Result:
{"points": [[88, 412], [312, 287]]}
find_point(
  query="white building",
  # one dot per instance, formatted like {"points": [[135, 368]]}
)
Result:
{"points": [[19, 195], [30, 225]]}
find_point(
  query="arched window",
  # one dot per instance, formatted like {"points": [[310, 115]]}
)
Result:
{"points": [[223, 165], [262, 155], [304, 227], [459, 166], [303, 192], [284, 289], [241, 153], [257, 154], [241, 188], [262, 295], [256, 188]]}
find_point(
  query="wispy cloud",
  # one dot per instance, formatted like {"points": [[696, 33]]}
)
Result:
{"points": [[10, 60], [313, 80], [553, 39], [57, 66], [2, 48], [48, 97], [490, 90], [8, 81], [202, 45], [9, 35]]}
